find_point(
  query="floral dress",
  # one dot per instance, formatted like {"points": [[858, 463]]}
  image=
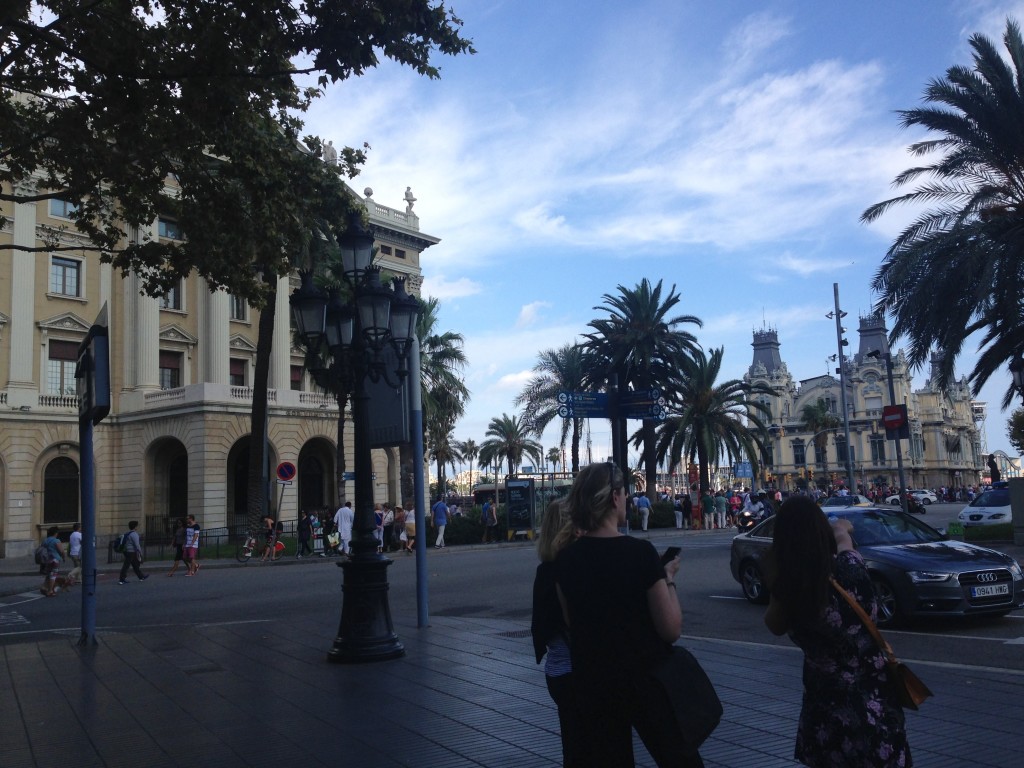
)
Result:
{"points": [[849, 717]]}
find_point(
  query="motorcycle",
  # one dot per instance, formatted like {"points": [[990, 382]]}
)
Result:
{"points": [[745, 520]]}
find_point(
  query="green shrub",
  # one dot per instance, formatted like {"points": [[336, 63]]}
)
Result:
{"points": [[467, 529], [662, 515], [1000, 532]]}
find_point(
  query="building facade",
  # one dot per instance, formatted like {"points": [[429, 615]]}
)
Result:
{"points": [[176, 440], [945, 442]]}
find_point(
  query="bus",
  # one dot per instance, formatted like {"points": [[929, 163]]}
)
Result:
{"points": [[546, 488]]}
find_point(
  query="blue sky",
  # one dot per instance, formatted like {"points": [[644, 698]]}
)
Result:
{"points": [[725, 147]]}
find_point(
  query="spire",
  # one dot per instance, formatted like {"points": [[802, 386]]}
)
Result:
{"points": [[873, 335], [766, 352]]}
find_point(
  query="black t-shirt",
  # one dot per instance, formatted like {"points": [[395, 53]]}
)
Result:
{"points": [[605, 583]]}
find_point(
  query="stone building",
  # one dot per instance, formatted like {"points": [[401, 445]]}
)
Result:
{"points": [[177, 437], [944, 447]]}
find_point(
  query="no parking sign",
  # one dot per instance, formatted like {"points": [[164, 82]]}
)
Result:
{"points": [[286, 471]]}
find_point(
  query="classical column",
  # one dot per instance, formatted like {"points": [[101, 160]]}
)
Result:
{"points": [[280, 357], [213, 334], [23, 291]]}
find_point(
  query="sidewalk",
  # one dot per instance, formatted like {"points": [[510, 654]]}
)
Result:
{"points": [[467, 693]]}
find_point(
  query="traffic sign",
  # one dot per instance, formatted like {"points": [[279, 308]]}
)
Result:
{"points": [[286, 471], [646, 410], [894, 418], [583, 405], [642, 396]]}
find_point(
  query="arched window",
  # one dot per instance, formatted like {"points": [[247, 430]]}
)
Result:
{"points": [[311, 483], [60, 492]]}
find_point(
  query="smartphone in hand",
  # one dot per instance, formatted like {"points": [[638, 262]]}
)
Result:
{"points": [[670, 554]]}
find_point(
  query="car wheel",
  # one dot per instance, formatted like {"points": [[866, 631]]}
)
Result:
{"points": [[926, 501], [753, 583], [895, 502], [888, 605]]}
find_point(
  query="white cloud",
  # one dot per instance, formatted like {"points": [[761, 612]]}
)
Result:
{"points": [[440, 287], [809, 265], [530, 313]]}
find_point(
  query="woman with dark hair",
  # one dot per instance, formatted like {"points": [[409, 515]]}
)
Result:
{"points": [[620, 607], [850, 715]]}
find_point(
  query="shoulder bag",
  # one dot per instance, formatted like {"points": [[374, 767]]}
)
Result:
{"points": [[910, 689], [691, 694]]}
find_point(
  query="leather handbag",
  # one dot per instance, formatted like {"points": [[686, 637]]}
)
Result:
{"points": [[691, 694], [910, 690]]}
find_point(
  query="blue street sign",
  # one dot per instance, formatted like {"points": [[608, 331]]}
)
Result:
{"points": [[583, 405], [742, 469], [645, 410], [642, 396]]}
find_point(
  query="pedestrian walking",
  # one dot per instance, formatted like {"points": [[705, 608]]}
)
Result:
{"points": [[178, 540], [343, 520], [269, 540], [132, 554], [305, 534], [54, 549], [623, 616], [850, 714], [75, 553], [192, 546], [489, 518], [439, 514], [643, 505], [410, 527]]}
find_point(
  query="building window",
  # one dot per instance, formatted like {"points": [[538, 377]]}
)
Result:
{"points": [[170, 370], [239, 308], [820, 453], [799, 457], [236, 375], [297, 378], [399, 253], [385, 250], [60, 368], [62, 209], [65, 276], [877, 449], [60, 492], [172, 299], [768, 456], [168, 229], [841, 450]]}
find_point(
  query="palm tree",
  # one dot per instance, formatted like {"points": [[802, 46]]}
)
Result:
{"points": [[640, 344], [445, 451], [444, 394], [957, 268], [509, 440], [710, 418], [557, 370], [554, 458], [819, 420], [469, 450]]}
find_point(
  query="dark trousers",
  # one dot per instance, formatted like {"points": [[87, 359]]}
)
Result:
{"points": [[560, 689], [304, 548], [131, 559]]}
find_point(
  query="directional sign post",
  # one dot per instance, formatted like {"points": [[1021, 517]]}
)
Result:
{"points": [[583, 405], [644, 404]]}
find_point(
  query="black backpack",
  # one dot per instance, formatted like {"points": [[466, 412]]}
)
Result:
{"points": [[121, 542]]}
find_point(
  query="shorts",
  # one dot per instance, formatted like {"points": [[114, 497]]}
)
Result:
{"points": [[410, 529], [177, 553], [190, 553]]}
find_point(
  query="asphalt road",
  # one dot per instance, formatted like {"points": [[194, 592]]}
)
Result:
{"points": [[473, 581]]}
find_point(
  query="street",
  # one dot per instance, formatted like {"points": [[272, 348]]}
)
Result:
{"points": [[493, 582]]}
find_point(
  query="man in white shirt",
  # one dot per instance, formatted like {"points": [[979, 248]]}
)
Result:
{"points": [[343, 520], [75, 552]]}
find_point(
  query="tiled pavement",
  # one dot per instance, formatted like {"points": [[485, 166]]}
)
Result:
{"points": [[467, 693]]}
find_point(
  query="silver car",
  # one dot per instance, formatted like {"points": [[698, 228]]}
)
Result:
{"points": [[916, 570]]}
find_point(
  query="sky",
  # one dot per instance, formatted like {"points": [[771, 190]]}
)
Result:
{"points": [[727, 148]]}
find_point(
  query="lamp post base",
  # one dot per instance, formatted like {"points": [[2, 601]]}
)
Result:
{"points": [[366, 632]]}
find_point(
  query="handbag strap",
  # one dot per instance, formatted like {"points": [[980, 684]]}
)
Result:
{"points": [[883, 644]]}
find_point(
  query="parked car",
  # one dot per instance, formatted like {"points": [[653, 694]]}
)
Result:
{"points": [[851, 500], [990, 508], [916, 570], [923, 496]]}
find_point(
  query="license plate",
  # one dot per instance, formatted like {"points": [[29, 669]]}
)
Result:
{"points": [[990, 591]]}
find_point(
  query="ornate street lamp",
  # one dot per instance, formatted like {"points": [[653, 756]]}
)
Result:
{"points": [[357, 337]]}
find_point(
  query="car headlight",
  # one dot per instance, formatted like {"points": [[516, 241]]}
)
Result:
{"points": [[928, 577], [1015, 569], [997, 516]]}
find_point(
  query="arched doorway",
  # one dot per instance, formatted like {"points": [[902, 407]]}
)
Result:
{"points": [[316, 476], [238, 484], [60, 492], [166, 497]]}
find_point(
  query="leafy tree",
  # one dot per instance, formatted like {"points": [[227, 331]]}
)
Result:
{"points": [[509, 440], [444, 450], [640, 344], [557, 370], [957, 269], [103, 102], [820, 421], [1015, 430], [709, 418]]}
